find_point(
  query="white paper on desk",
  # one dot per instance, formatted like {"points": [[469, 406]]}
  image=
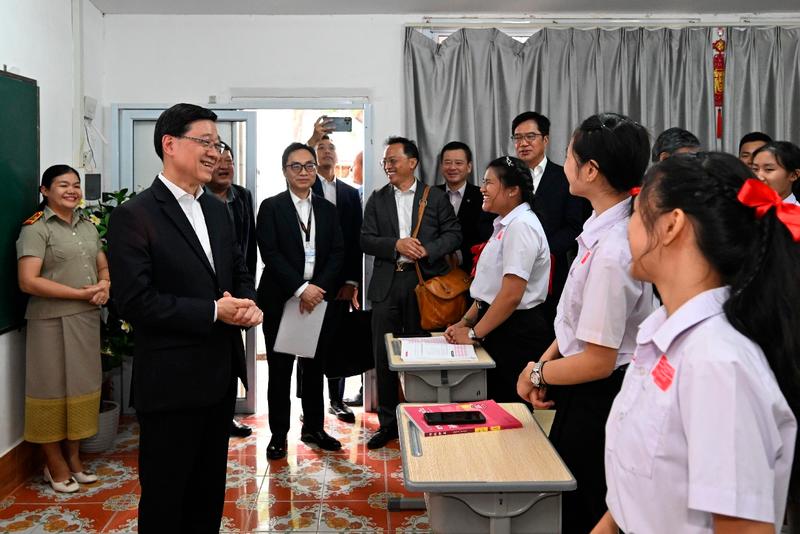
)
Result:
{"points": [[434, 348], [298, 332]]}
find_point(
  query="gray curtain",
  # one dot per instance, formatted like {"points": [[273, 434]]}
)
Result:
{"points": [[470, 87]]}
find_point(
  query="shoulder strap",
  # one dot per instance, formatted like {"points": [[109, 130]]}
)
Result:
{"points": [[422, 203]]}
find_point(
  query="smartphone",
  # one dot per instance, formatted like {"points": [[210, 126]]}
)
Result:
{"points": [[454, 418], [341, 124]]}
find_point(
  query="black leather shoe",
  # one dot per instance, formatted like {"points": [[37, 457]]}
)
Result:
{"points": [[381, 438], [342, 412], [238, 430], [358, 400], [276, 448], [321, 439]]}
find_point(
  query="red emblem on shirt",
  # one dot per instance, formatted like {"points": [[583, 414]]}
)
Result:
{"points": [[663, 373], [33, 218], [585, 257]]}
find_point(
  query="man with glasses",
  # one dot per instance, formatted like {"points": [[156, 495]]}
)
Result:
{"points": [[239, 202], [389, 220], [348, 208], [182, 283], [562, 215], [455, 166], [300, 241]]}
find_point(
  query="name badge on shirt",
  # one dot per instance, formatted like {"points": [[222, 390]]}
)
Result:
{"points": [[308, 269], [663, 373]]}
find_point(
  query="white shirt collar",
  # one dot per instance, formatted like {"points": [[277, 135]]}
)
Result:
{"points": [[412, 189], [460, 190], [791, 199], [596, 225], [296, 200], [513, 214], [176, 191], [539, 169], [324, 181]]}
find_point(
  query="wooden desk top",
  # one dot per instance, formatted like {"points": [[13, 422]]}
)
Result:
{"points": [[520, 459], [396, 363]]}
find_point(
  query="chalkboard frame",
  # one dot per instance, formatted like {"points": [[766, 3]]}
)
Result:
{"points": [[12, 302]]}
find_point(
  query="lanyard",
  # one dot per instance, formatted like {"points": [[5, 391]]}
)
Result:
{"points": [[306, 227]]}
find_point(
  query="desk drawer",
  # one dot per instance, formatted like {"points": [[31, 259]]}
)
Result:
{"points": [[427, 386]]}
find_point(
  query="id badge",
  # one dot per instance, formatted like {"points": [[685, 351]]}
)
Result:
{"points": [[308, 270]]}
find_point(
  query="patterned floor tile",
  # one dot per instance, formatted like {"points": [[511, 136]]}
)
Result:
{"points": [[123, 523], [394, 480], [235, 519], [352, 516], [409, 522], [42, 518], [242, 480], [353, 481], [303, 480], [285, 517]]}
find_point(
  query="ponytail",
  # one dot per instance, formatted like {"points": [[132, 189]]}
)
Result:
{"points": [[751, 249]]}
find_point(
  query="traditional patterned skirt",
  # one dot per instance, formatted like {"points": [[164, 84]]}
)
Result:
{"points": [[63, 377]]}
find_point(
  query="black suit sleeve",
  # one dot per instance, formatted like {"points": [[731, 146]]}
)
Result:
{"points": [[273, 257], [372, 242], [251, 254], [352, 268], [135, 296], [326, 278], [449, 237], [563, 239]]}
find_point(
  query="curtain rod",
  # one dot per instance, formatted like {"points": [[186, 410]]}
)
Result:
{"points": [[539, 21]]}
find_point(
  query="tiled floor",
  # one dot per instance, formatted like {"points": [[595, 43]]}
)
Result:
{"points": [[309, 491]]}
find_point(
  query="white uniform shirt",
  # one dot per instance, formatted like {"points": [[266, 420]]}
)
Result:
{"points": [[601, 303], [456, 196], [404, 200], [518, 246], [537, 172], [699, 427], [328, 189], [791, 199], [303, 207]]}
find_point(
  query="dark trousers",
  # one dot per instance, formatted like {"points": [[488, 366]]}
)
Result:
{"points": [[335, 389], [309, 385], [398, 312], [183, 460], [579, 435], [520, 339]]}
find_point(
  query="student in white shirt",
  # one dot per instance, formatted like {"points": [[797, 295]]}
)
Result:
{"points": [[598, 313], [511, 280], [701, 437], [777, 164]]}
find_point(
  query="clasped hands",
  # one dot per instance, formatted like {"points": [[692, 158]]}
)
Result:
{"points": [[97, 294], [238, 312], [526, 389], [411, 248], [458, 334]]}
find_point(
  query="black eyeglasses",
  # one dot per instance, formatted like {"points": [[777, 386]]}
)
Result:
{"points": [[529, 137], [205, 143], [297, 167]]}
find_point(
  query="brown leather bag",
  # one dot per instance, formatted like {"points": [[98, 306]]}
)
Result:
{"points": [[442, 300]]}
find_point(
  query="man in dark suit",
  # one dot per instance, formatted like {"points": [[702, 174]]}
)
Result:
{"points": [[455, 165], [301, 246], [389, 220], [239, 202], [562, 215], [175, 265], [348, 207]]}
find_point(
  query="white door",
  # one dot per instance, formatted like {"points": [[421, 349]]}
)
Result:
{"points": [[135, 165]]}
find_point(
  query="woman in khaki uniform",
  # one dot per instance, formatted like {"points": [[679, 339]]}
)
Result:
{"points": [[62, 266]]}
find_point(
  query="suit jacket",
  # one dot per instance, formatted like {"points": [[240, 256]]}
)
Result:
{"points": [[476, 224], [165, 287], [562, 216], [440, 234], [348, 208], [281, 244]]}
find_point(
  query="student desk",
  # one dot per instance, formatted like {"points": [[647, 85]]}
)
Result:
{"points": [[441, 381], [500, 482]]}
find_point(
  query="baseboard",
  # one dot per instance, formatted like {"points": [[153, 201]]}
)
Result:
{"points": [[17, 466]]}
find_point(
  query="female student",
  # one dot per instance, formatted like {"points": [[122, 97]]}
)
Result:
{"points": [[777, 164], [511, 279], [62, 266], [599, 311], [700, 439]]}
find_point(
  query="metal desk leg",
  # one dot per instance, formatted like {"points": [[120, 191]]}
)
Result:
{"points": [[405, 503]]}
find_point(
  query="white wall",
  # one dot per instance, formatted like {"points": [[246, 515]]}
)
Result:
{"points": [[168, 59]]}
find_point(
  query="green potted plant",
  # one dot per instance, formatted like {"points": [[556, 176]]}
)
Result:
{"points": [[116, 340]]}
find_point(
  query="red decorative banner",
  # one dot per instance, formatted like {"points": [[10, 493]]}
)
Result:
{"points": [[719, 77]]}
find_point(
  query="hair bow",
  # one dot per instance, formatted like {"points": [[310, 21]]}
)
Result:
{"points": [[756, 194], [635, 191], [509, 162]]}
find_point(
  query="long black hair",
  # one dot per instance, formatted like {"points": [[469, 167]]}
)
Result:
{"points": [[756, 256], [51, 174], [512, 172]]}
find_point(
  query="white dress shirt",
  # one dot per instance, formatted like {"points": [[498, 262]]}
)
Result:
{"points": [[601, 303], [328, 189], [518, 246], [791, 199], [537, 172], [698, 428], [456, 196], [303, 208], [194, 213], [404, 200]]}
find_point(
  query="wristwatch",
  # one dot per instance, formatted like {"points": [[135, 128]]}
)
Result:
{"points": [[472, 335], [536, 375]]}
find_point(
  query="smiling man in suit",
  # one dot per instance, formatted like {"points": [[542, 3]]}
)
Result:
{"points": [[180, 279], [348, 208], [300, 241], [389, 220], [562, 215], [455, 165]]}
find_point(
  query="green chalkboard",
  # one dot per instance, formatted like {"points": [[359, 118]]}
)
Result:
{"points": [[19, 175]]}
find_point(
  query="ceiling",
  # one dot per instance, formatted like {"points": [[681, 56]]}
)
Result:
{"points": [[434, 7]]}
